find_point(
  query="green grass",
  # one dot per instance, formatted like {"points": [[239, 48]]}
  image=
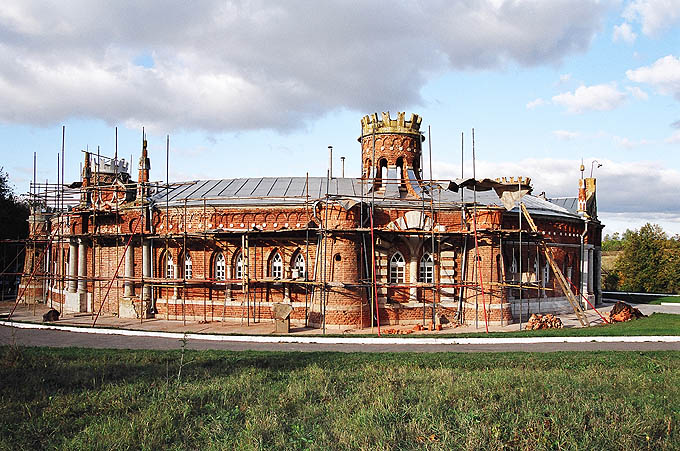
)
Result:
{"points": [[646, 299], [113, 399], [654, 324]]}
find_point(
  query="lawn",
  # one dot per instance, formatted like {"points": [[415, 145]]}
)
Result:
{"points": [[115, 399], [643, 299]]}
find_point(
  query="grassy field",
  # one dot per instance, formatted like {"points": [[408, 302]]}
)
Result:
{"points": [[655, 324], [112, 399], [643, 299]]}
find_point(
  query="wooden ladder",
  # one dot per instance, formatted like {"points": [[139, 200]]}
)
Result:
{"points": [[564, 284]]}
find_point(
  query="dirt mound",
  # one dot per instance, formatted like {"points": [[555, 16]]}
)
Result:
{"points": [[50, 316], [543, 322], [622, 312]]}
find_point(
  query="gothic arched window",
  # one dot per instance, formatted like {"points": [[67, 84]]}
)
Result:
{"points": [[397, 268], [276, 266], [220, 267], [426, 273]]}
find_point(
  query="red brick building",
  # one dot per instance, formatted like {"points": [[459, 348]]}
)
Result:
{"points": [[390, 246]]}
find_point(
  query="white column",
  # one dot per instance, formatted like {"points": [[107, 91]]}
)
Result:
{"points": [[146, 269], [175, 270], [129, 271], [586, 272], [72, 266], [590, 272], [413, 278], [82, 266]]}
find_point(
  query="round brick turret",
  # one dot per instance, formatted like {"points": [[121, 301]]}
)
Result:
{"points": [[398, 147]]}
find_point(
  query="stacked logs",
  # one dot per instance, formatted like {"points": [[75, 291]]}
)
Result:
{"points": [[622, 312], [548, 321]]}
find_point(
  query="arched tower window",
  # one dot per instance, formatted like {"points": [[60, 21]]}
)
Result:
{"points": [[383, 171], [276, 266], [400, 172], [220, 267], [426, 273], [367, 168], [397, 268]]}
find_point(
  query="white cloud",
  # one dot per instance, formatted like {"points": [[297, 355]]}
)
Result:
{"points": [[674, 138], [628, 143], [604, 97], [535, 103], [654, 15], [637, 92], [630, 189], [663, 75], [566, 135], [218, 65], [623, 32]]}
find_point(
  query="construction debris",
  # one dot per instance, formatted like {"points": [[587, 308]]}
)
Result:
{"points": [[548, 321], [50, 316], [622, 312]]}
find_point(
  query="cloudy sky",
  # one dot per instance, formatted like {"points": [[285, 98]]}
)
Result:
{"points": [[258, 88]]}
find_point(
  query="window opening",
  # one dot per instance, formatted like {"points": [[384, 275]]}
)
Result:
{"points": [[169, 267], [397, 266], [426, 269], [220, 267], [239, 266], [277, 266], [299, 265], [188, 267]]}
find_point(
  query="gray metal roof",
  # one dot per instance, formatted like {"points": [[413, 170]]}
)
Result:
{"points": [[569, 203], [292, 191]]}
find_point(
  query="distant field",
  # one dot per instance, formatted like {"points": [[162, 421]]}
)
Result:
{"points": [[609, 258], [643, 299], [115, 399]]}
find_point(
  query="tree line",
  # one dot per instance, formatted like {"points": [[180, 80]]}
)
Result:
{"points": [[648, 261]]}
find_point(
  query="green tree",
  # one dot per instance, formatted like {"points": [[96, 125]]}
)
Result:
{"points": [[612, 242], [670, 266], [641, 265], [13, 211]]}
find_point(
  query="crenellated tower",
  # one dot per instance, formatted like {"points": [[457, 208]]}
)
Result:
{"points": [[397, 150]]}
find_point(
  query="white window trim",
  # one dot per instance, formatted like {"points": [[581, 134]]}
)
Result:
{"points": [[300, 264], [188, 267], [169, 266], [220, 267], [426, 268], [276, 266], [397, 268]]}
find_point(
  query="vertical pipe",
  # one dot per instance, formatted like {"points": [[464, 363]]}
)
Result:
{"points": [[434, 261], [307, 248], [330, 162], [519, 213], [374, 289], [342, 159]]}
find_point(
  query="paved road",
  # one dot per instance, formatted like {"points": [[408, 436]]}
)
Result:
{"points": [[58, 338]]}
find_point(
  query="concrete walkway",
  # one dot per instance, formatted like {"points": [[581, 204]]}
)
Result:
{"points": [[25, 313]]}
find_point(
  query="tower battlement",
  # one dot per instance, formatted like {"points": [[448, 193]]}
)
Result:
{"points": [[385, 124]]}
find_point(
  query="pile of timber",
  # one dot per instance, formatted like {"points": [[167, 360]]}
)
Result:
{"points": [[622, 312], [548, 321]]}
